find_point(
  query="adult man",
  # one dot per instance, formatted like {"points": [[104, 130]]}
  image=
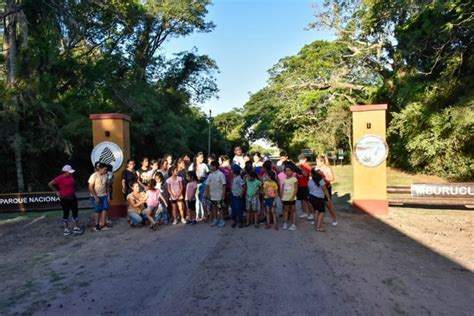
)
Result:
{"points": [[99, 190], [239, 157]]}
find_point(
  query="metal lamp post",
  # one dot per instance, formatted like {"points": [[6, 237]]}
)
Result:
{"points": [[209, 138]]}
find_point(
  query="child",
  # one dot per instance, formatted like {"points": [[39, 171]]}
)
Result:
{"points": [[317, 193], [323, 165], [190, 197], [237, 198], [270, 192], [253, 187], [175, 190], [161, 214], [152, 202], [289, 191], [215, 191], [302, 176]]}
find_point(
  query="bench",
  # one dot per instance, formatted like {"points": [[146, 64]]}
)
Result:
{"points": [[432, 194]]}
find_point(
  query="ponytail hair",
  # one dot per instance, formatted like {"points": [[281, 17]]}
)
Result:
{"points": [[324, 159], [316, 176]]}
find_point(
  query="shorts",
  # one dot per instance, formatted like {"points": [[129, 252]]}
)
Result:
{"points": [[302, 194], [317, 203], [218, 204], [288, 202], [251, 203], [270, 202], [103, 204], [176, 201], [191, 205]]}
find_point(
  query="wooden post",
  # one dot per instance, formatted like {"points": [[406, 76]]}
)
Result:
{"points": [[109, 131], [368, 159]]}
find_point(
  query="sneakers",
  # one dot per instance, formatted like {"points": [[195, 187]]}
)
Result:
{"points": [[304, 215], [97, 228], [67, 232], [214, 222], [194, 222], [77, 230], [105, 227], [292, 227], [183, 221], [310, 217], [334, 223], [234, 224], [221, 223], [175, 222], [285, 226], [312, 223]]}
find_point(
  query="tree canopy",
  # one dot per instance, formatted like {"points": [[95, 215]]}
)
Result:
{"points": [[66, 59]]}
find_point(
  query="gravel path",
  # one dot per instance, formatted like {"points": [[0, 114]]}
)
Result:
{"points": [[360, 267]]}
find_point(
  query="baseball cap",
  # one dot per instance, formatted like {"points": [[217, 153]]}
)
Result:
{"points": [[68, 168]]}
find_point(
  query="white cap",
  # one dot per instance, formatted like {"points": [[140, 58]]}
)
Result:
{"points": [[68, 168]]}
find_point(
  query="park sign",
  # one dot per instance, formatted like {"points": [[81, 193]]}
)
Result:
{"points": [[443, 190], [23, 202], [108, 153]]}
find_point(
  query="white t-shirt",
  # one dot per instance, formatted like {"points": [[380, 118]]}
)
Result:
{"points": [[216, 182], [201, 171], [100, 183], [316, 191], [239, 160]]}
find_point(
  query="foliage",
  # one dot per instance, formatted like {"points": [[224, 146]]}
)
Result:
{"points": [[82, 57]]}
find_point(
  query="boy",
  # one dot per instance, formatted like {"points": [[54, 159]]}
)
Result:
{"points": [[237, 198], [303, 179], [215, 191], [99, 190], [252, 203]]}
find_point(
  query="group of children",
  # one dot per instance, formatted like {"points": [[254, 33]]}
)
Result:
{"points": [[251, 190]]}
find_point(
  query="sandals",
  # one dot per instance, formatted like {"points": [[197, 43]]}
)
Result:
{"points": [[320, 229]]}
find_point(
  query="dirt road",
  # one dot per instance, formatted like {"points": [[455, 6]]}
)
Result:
{"points": [[361, 267]]}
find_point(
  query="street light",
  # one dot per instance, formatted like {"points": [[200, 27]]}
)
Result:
{"points": [[209, 139]]}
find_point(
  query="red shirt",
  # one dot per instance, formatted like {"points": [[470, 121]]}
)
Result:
{"points": [[303, 178], [65, 184]]}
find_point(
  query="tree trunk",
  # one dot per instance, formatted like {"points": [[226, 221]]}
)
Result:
{"points": [[11, 63]]}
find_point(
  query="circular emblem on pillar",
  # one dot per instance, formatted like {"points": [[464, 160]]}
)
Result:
{"points": [[109, 153], [371, 150]]}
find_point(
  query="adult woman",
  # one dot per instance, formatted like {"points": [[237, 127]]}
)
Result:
{"points": [[322, 165], [201, 170], [136, 205], [64, 187]]}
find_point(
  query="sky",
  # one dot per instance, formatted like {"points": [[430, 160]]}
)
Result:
{"points": [[249, 38]]}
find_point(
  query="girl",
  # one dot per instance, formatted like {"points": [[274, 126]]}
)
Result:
{"points": [[227, 171], [252, 188], [136, 204], [322, 164], [317, 192], [190, 197], [152, 201], [270, 192], [174, 186], [201, 170], [288, 198], [161, 215], [153, 170], [142, 173], [129, 176], [64, 187]]}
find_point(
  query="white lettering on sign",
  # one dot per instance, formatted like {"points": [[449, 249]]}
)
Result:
{"points": [[455, 189], [31, 199]]}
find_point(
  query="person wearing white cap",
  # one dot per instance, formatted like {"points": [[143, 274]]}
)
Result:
{"points": [[64, 187]]}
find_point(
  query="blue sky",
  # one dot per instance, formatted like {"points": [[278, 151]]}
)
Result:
{"points": [[250, 37]]}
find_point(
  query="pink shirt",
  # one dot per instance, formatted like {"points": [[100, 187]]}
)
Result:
{"points": [[65, 185], [152, 197], [174, 186], [191, 191], [228, 176]]}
